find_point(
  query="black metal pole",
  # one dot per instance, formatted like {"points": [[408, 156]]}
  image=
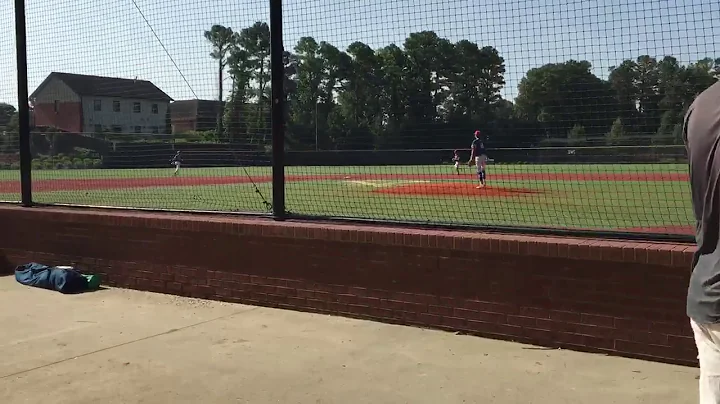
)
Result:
{"points": [[23, 107], [277, 109]]}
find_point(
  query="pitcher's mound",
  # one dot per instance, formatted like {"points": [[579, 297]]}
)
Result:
{"points": [[455, 189]]}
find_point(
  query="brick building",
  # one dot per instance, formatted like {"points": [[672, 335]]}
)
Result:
{"points": [[92, 104], [195, 115]]}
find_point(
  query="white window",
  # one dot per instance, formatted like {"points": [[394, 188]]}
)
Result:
{"points": [[97, 105], [116, 106], [136, 107], [155, 109]]}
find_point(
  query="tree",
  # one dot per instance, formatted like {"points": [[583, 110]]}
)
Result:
{"points": [[647, 84], [360, 106], [698, 77], [576, 136], [476, 81], [504, 109], [670, 91], [9, 128], [7, 111], [564, 94], [310, 75], [235, 108], [394, 99], [14, 124], [221, 39], [255, 41], [431, 92], [336, 70], [617, 135], [667, 133], [623, 81], [290, 67], [658, 93], [336, 67], [247, 112], [428, 71]]}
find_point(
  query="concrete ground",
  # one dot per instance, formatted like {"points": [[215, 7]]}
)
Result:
{"points": [[122, 346]]}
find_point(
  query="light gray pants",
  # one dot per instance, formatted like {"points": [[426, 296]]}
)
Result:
{"points": [[707, 339]]}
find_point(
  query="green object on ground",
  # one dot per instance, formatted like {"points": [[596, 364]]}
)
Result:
{"points": [[93, 281]]}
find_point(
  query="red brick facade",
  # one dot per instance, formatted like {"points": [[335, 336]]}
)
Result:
{"points": [[67, 116], [183, 125], [619, 298]]}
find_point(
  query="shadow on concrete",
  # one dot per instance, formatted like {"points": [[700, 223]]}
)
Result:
{"points": [[6, 267], [82, 292]]}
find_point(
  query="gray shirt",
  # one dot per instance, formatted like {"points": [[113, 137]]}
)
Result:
{"points": [[702, 138]]}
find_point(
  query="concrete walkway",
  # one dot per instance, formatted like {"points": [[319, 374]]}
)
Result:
{"points": [[122, 346]]}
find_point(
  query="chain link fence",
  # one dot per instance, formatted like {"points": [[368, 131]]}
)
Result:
{"points": [[562, 116]]}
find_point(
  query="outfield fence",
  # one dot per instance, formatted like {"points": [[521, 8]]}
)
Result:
{"points": [[360, 110]]}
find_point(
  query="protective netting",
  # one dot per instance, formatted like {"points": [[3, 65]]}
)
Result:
{"points": [[9, 151], [578, 108], [574, 108], [150, 104]]}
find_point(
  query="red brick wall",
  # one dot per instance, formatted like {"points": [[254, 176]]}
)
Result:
{"points": [[183, 125], [68, 116], [613, 297]]}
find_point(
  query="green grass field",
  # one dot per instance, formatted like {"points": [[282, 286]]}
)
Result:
{"points": [[552, 195]]}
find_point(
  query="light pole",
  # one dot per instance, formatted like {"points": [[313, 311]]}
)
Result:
{"points": [[316, 126]]}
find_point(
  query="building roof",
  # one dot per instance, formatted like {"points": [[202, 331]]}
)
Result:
{"points": [[107, 87]]}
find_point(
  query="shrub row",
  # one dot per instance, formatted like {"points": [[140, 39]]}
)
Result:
{"points": [[55, 163]]}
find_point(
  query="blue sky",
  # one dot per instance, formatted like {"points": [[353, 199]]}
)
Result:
{"points": [[110, 38]]}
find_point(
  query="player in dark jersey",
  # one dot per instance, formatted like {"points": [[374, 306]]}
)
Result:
{"points": [[176, 161], [456, 160], [478, 156]]}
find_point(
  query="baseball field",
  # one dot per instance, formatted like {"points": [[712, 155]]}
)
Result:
{"points": [[635, 197]]}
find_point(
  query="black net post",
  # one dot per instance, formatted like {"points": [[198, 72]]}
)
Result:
{"points": [[23, 106], [277, 80]]}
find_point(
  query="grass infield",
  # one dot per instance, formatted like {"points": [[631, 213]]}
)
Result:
{"points": [[650, 198]]}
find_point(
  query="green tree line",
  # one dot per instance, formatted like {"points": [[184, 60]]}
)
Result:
{"points": [[8, 128], [431, 92]]}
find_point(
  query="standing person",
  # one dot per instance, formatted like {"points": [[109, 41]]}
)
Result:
{"points": [[702, 139], [456, 160], [478, 156], [176, 161]]}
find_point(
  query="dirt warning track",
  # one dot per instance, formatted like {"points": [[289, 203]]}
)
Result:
{"points": [[81, 184]]}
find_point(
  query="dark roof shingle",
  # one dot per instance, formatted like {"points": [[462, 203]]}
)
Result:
{"points": [[107, 87]]}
